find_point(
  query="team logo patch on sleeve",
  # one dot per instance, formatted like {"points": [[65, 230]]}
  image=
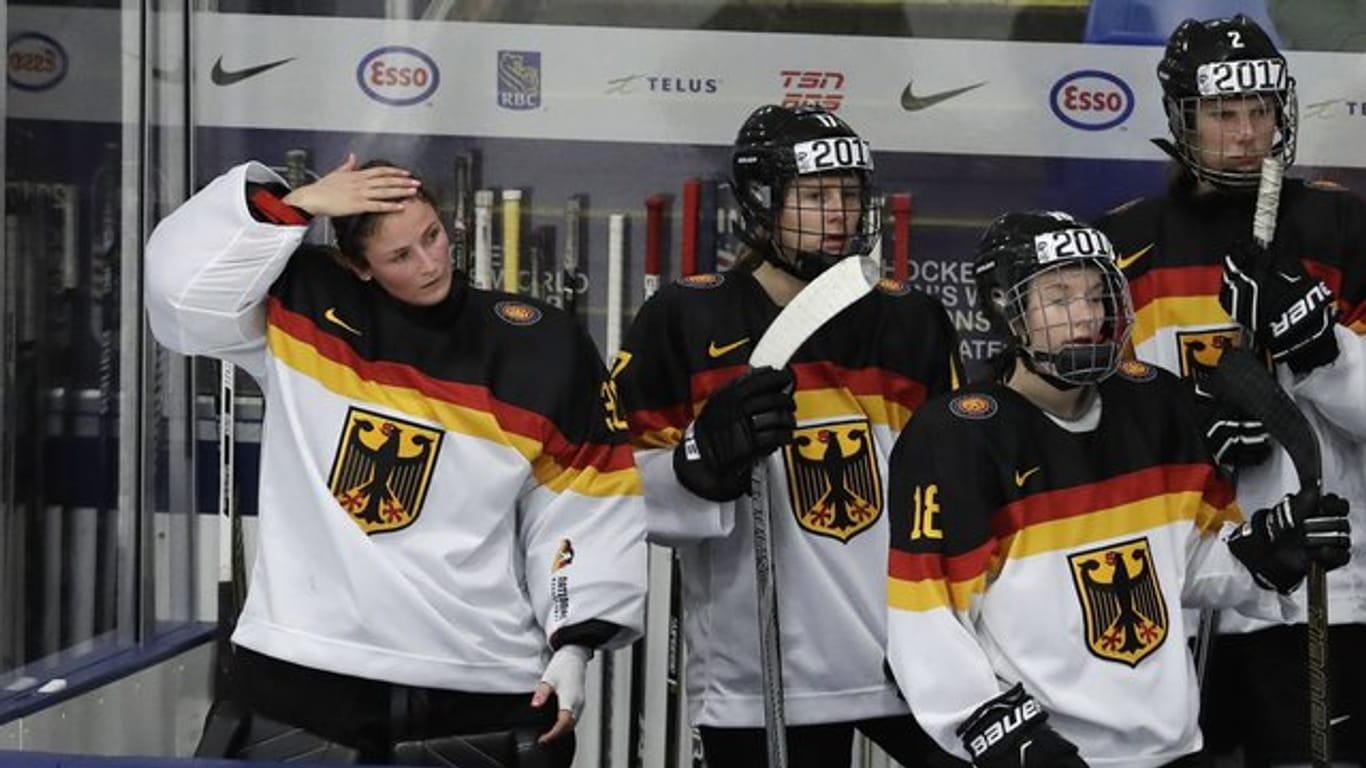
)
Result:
{"points": [[1133, 370], [833, 479], [973, 406], [702, 281], [893, 287], [517, 313], [564, 555], [1121, 600], [383, 469]]}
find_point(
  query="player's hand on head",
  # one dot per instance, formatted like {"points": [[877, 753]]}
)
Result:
{"points": [[563, 678], [742, 422], [1289, 313], [348, 189], [1278, 543], [1012, 731]]}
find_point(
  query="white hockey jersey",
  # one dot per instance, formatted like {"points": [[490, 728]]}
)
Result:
{"points": [[1174, 248], [1024, 552], [441, 488], [858, 380]]}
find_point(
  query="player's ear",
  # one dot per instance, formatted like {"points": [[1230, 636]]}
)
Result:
{"points": [[361, 272]]}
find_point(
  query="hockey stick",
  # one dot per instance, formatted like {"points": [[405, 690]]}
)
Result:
{"points": [[1263, 232], [829, 294], [1298, 439], [654, 242], [901, 235], [1242, 380], [569, 277], [707, 235], [512, 240], [616, 266], [692, 195], [615, 744], [460, 216], [654, 669], [483, 239]]}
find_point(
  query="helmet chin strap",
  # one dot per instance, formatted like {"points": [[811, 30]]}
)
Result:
{"points": [[801, 265], [1081, 364]]}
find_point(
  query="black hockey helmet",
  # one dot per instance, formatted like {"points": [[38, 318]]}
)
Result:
{"points": [[1231, 58], [775, 146], [1021, 256]]}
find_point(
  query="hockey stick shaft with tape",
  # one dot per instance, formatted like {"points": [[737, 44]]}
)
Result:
{"points": [[483, 239], [512, 240], [1244, 381], [825, 297]]}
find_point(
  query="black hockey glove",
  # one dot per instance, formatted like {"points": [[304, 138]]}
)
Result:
{"points": [[741, 423], [1233, 438], [1277, 544], [1012, 731], [1291, 315]]}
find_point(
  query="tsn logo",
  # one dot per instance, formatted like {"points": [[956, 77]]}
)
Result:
{"points": [[1310, 302], [815, 88], [1004, 726]]}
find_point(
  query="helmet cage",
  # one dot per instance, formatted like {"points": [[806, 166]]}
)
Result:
{"points": [[1076, 339], [1182, 120], [781, 147], [1206, 66]]}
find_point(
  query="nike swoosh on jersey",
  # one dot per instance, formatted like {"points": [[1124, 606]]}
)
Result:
{"points": [[912, 103], [221, 76], [714, 351], [331, 316], [1124, 262], [1021, 477]]}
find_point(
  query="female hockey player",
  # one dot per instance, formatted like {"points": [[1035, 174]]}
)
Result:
{"points": [[449, 521], [1049, 526], [1199, 286], [701, 419]]}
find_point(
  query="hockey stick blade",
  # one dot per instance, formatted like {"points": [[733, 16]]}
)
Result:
{"points": [[823, 298], [836, 288], [1241, 379]]}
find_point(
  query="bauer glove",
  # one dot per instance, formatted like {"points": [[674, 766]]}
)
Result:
{"points": [[741, 423], [1278, 543]]}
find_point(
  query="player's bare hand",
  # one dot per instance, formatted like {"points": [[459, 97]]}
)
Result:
{"points": [[564, 719], [348, 190], [563, 678]]}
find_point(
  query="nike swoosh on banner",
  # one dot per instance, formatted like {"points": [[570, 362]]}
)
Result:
{"points": [[1124, 262], [715, 351], [331, 316], [221, 76], [912, 103]]}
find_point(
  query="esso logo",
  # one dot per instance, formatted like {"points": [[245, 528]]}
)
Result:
{"points": [[398, 75], [36, 62], [1091, 100]]}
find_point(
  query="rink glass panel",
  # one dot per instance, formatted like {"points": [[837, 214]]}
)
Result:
{"points": [[109, 443], [97, 546]]}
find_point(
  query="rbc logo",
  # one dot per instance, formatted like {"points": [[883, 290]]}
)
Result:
{"points": [[35, 62], [398, 75], [519, 79], [1091, 100]]}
